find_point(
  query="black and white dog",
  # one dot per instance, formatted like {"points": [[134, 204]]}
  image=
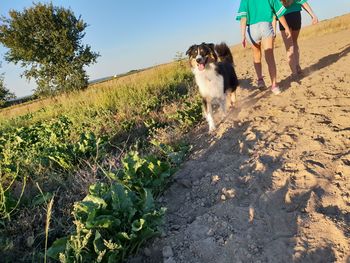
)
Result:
{"points": [[212, 66]]}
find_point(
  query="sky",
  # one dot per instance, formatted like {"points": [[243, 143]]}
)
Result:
{"points": [[134, 34]]}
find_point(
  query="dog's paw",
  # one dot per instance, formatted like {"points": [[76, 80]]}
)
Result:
{"points": [[212, 129]]}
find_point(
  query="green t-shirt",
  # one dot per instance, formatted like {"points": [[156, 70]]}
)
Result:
{"points": [[295, 7], [260, 10]]}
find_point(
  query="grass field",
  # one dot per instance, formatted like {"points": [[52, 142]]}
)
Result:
{"points": [[73, 165], [54, 150]]}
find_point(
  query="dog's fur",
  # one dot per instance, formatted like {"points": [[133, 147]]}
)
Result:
{"points": [[212, 66]]}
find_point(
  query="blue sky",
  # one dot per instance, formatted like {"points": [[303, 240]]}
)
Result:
{"points": [[133, 34]]}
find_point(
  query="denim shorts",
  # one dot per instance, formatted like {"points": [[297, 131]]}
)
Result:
{"points": [[259, 31]]}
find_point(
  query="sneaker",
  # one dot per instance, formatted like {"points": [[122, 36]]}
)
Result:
{"points": [[261, 83], [275, 90]]}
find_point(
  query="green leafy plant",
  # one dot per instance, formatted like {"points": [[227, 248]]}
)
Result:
{"points": [[189, 115], [26, 150], [52, 138], [115, 219]]}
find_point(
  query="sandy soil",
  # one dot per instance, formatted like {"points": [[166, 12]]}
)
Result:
{"points": [[273, 183]]}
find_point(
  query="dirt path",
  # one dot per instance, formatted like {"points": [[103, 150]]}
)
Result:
{"points": [[273, 183]]}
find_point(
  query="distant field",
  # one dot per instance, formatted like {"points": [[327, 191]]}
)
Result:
{"points": [[116, 95]]}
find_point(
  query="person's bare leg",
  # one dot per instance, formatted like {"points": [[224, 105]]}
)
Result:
{"points": [[295, 35], [257, 59], [270, 60], [290, 49]]}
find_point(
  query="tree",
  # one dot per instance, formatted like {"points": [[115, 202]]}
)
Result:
{"points": [[5, 94], [47, 41]]}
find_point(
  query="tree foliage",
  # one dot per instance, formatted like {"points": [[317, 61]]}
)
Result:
{"points": [[5, 94], [47, 42]]}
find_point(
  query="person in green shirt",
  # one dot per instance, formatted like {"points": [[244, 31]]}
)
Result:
{"points": [[293, 18], [256, 18]]}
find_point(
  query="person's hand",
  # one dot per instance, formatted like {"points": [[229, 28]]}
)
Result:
{"points": [[244, 41], [288, 33], [314, 20]]}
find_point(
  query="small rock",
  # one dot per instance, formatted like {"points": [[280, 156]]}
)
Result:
{"points": [[167, 252], [229, 193], [147, 252], [251, 136], [210, 233], [175, 227], [221, 241], [215, 179], [337, 177], [169, 260], [184, 182]]}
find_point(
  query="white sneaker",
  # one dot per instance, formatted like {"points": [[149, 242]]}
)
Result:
{"points": [[275, 90]]}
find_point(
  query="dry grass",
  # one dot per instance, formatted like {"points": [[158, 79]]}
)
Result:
{"points": [[111, 100]]}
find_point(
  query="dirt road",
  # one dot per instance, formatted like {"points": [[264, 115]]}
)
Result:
{"points": [[273, 183]]}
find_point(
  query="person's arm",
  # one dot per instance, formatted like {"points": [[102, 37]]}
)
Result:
{"points": [[243, 31], [279, 11], [274, 23], [283, 21], [308, 9], [242, 16]]}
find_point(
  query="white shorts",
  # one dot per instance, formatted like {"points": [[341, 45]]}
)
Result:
{"points": [[259, 31]]}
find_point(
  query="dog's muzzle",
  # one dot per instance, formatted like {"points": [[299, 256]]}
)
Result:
{"points": [[201, 62]]}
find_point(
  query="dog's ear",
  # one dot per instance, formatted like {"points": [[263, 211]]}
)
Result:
{"points": [[211, 46], [188, 52]]}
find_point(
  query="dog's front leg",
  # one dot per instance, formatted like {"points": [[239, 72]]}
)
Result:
{"points": [[223, 106], [204, 108], [208, 113], [233, 98], [230, 100]]}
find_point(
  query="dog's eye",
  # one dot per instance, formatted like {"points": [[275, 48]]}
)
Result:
{"points": [[204, 51]]}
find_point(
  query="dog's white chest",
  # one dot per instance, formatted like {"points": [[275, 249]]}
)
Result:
{"points": [[211, 84]]}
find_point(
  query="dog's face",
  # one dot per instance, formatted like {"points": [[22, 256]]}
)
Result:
{"points": [[201, 55]]}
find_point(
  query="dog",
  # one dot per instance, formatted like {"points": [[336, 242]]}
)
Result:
{"points": [[212, 66]]}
